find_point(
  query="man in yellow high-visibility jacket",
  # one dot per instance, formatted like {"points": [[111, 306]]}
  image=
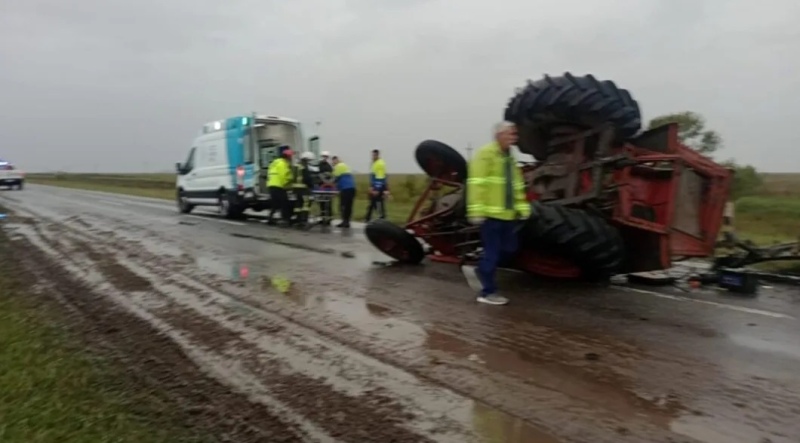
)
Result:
{"points": [[378, 187], [496, 201], [279, 177]]}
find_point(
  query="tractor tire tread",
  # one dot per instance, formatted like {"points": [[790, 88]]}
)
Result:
{"points": [[581, 101], [585, 239]]}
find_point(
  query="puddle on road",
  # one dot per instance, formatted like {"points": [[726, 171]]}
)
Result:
{"points": [[782, 348], [710, 430], [376, 321], [493, 426], [371, 319]]}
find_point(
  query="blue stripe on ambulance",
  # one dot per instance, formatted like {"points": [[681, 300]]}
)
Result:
{"points": [[234, 143]]}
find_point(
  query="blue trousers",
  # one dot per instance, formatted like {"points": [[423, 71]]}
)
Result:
{"points": [[500, 242]]}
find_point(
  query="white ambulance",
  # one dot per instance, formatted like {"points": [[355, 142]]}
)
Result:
{"points": [[227, 164]]}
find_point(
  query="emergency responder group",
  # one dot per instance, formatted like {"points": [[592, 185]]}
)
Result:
{"points": [[332, 175], [495, 198]]}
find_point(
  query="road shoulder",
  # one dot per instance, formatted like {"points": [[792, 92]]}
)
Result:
{"points": [[85, 370]]}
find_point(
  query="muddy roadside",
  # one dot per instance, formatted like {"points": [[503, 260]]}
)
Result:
{"points": [[601, 366], [297, 385], [165, 388]]}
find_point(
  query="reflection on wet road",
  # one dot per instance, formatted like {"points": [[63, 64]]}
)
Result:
{"points": [[562, 363]]}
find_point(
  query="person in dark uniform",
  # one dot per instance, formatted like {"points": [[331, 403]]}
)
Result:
{"points": [[301, 186], [346, 184], [326, 169]]}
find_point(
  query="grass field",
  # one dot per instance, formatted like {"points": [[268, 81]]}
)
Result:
{"points": [[770, 214], [53, 390]]}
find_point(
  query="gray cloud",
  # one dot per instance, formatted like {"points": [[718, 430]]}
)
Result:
{"points": [[121, 85]]}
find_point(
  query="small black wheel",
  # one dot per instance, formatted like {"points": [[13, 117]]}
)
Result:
{"points": [[394, 241], [439, 160], [184, 207], [227, 208]]}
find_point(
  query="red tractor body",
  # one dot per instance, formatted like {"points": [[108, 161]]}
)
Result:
{"points": [[606, 198]]}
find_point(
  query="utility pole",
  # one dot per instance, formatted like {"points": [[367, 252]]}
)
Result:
{"points": [[469, 151]]}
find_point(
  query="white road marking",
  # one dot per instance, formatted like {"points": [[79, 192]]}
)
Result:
{"points": [[710, 303], [112, 202], [217, 220]]}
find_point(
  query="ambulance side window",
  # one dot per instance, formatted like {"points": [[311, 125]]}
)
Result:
{"points": [[249, 156]]}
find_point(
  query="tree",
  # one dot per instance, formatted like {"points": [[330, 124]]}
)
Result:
{"points": [[691, 131], [746, 180]]}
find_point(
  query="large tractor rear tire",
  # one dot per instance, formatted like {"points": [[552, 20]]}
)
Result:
{"points": [[582, 238], [581, 101]]}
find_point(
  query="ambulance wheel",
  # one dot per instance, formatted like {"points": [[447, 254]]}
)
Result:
{"points": [[228, 208], [184, 207], [394, 241]]}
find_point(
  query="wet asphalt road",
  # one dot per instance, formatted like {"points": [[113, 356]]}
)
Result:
{"points": [[562, 363]]}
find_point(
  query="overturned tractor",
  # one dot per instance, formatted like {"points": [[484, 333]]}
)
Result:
{"points": [[607, 198]]}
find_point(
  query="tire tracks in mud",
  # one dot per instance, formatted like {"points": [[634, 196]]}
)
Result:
{"points": [[153, 361], [217, 306], [339, 416], [457, 376]]}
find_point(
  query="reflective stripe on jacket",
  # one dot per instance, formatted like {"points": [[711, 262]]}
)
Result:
{"points": [[486, 186], [279, 174], [378, 176], [302, 177], [343, 177]]}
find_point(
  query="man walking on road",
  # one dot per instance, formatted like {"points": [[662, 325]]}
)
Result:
{"points": [[496, 201], [346, 185], [378, 186]]}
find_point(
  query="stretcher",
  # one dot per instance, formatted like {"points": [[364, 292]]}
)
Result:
{"points": [[321, 212]]}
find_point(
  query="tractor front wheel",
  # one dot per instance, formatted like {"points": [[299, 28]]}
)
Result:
{"points": [[578, 236], [394, 241]]}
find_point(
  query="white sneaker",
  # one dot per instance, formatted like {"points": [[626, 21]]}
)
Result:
{"points": [[471, 275], [492, 299]]}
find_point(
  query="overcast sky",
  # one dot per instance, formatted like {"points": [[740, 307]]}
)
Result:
{"points": [[124, 85]]}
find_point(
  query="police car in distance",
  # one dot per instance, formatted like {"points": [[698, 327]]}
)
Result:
{"points": [[227, 164], [10, 176]]}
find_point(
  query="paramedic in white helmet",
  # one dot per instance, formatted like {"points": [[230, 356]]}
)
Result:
{"points": [[325, 163], [325, 169]]}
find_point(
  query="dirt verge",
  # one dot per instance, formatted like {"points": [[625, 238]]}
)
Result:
{"points": [[151, 362]]}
